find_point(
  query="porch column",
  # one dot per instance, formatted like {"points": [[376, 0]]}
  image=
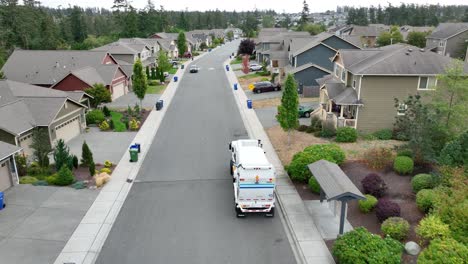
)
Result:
{"points": [[330, 106], [341, 112]]}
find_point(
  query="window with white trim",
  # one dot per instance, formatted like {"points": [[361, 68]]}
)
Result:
{"points": [[354, 82], [441, 43], [401, 111], [343, 75], [427, 83], [337, 70]]}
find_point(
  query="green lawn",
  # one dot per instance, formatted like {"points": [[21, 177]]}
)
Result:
{"points": [[118, 125], [156, 89], [172, 71], [236, 61], [251, 76]]}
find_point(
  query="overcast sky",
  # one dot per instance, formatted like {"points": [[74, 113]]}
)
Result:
{"points": [[290, 6]]}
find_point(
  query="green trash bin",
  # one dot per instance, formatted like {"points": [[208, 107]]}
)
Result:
{"points": [[133, 154]]}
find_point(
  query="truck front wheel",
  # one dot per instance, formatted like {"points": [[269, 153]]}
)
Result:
{"points": [[239, 213], [231, 164], [271, 213]]}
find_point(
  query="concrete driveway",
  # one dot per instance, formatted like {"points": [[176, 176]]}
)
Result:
{"points": [[38, 221], [104, 145], [263, 96], [267, 117], [130, 99]]}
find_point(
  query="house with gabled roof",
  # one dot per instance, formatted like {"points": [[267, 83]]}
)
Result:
{"points": [[67, 70], [449, 39], [8, 168], [25, 107], [361, 90]]}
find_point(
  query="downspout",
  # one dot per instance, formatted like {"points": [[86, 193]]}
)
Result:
{"points": [[16, 169]]}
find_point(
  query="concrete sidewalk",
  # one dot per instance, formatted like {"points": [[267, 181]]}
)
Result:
{"points": [[308, 243], [86, 242]]}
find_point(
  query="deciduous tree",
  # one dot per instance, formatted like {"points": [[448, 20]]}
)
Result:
{"points": [[140, 84]]}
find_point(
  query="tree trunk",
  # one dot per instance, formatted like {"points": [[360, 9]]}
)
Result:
{"points": [[449, 110]]}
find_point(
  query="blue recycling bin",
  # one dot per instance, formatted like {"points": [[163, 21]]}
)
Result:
{"points": [[137, 146], [235, 86], [249, 104], [227, 67], [176, 78], [159, 105], [182, 66], [2, 203], [209, 50]]}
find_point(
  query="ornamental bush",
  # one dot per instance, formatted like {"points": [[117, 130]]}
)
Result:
{"points": [[346, 134], [405, 153], [455, 153], [95, 117], [378, 158], [302, 128], [298, 170], [385, 209], [422, 181], [425, 199], [314, 185], [384, 134], [444, 251], [374, 185], [108, 164], [64, 177], [368, 204], [403, 165], [27, 180], [361, 246], [105, 170], [134, 124], [104, 126], [106, 111], [431, 227], [396, 228]]}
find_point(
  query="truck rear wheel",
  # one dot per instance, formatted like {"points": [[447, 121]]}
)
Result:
{"points": [[231, 164], [239, 213], [271, 213]]}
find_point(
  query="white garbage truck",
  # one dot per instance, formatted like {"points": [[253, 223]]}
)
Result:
{"points": [[253, 178]]}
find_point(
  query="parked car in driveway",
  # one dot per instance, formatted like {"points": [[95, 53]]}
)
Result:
{"points": [[194, 69], [255, 67], [304, 111], [261, 87]]}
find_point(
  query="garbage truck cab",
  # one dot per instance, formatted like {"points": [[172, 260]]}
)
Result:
{"points": [[253, 178]]}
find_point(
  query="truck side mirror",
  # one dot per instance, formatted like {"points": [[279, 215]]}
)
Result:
{"points": [[230, 146]]}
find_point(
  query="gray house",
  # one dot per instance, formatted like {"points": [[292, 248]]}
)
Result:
{"points": [[449, 39], [8, 170]]}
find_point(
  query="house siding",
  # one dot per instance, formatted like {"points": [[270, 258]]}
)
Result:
{"points": [[7, 137], [431, 42], [64, 115], [319, 55], [108, 60], [308, 76], [455, 46], [337, 43], [71, 83], [377, 95]]}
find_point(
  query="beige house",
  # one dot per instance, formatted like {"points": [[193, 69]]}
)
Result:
{"points": [[361, 90], [8, 170], [449, 39]]}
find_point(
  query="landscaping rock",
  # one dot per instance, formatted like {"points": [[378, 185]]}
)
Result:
{"points": [[412, 248]]}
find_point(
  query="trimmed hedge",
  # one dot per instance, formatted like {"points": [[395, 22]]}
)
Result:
{"points": [[314, 185], [374, 185], [444, 251], [346, 134], [368, 204], [361, 246], [384, 134], [422, 181], [425, 199], [403, 165], [95, 117], [396, 228], [386, 209]]}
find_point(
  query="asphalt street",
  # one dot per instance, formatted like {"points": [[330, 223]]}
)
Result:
{"points": [[181, 207]]}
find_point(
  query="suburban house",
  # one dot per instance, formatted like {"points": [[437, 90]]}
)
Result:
{"points": [[201, 36], [8, 169], [449, 39], [192, 44], [127, 51], [24, 107], [366, 35], [170, 47], [311, 58], [361, 90], [67, 70], [237, 32]]}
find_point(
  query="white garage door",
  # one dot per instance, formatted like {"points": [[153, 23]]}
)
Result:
{"points": [[25, 143], [68, 130], [118, 90], [5, 176]]}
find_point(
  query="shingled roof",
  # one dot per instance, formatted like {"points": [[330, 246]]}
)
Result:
{"points": [[7, 150], [446, 30]]}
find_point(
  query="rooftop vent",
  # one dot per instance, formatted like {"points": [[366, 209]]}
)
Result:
{"points": [[410, 50], [407, 53], [421, 50]]}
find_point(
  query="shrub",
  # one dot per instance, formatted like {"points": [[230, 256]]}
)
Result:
{"points": [[264, 79], [51, 179], [385, 209], [425, 200], [75, 162], [455, 153], [64, 177], [314, 185], [378, 158], [104, 126], [27, 180], [111, 124], [316, 123], [95, 117], [136, 109], [302, 128], [106, 111], [444, 251], [422, 181], [310, 130], [361, 246], [107, 164], [405, 153], [431, 227], [21, 164], [134, 124], [384, 134], [368, 204], [403, 165], [298, 170], [327, 132], [374, 185], [105, 170], [92, 169], [346, 134], [396, 228], [86, 155]]}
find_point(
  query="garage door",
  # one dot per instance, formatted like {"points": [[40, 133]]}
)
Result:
{"points": [[68, 130], [5, 176], [118, 90]]}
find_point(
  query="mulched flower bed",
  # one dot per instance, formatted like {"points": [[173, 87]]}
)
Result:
{"points": [[82, 173]]}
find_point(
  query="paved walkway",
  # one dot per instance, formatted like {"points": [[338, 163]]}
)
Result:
{"points": [[38, 221], [307, 239], [85, 244]]}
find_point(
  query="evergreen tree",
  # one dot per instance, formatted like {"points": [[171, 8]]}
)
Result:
{"points": [[287, 112], [148, 76], [139, 81], [86, 155], [304, 16], [181, 44], [153, 73], [41, 147], [380, 15], [372, 15], [62, 155], [78, 26], [64, 176]]}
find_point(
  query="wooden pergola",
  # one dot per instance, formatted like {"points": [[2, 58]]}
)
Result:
{"points": [[335, 185]]}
